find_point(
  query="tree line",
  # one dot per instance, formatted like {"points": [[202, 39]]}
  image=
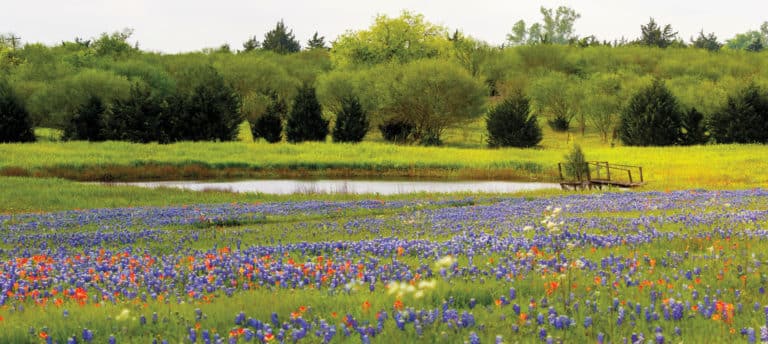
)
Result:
{"points": [[404, 76]]}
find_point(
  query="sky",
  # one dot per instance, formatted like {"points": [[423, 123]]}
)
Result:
{"points": [[172, 26]]}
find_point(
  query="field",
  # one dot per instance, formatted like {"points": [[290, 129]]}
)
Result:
{"points": [[638, 266]]}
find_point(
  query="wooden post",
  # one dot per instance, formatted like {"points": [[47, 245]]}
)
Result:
{"points": [[641, 174], [630, 176], [589, 178], [560, 169], [608, 170]]}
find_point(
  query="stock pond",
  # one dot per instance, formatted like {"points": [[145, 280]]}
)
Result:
{"points": [[390, 187]]}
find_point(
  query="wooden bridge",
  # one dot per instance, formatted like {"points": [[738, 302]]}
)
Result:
{"points": [[602, 173]]}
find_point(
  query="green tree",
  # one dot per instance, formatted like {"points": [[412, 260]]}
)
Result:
{"points": [[270, 125], [134, 119], [652, 35], [316, 42], [281, 40], [743, 118], [576, 167], [557, 28], [351, 122], [305, 121], [212, 110], [432, 96], [708, 42], [252, 44], [114, 45], [559, 97], [87, 123], [602, 102], [752, 40], [652, 118], [405, 38], [694, 131], [15, 124], [511, 124]]}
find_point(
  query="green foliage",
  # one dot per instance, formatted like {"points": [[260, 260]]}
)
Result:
{"points": [[602, 102], [396, 131], [305, 121], [434, 95], [559, 97], [114, 45], [87, 123], [15, 125], [652, 35], [751, 40], [405, 38], [652, 118], [270, 125], [212, 111], [708, 42], [743, 118], [694, 131], [281, 40], [510, 124], [316, 42], [557, 28], [251, 44], [138, 118], [351, 122], [575, 166]]}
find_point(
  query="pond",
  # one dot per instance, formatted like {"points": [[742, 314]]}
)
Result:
{"points": [[385, 187]]}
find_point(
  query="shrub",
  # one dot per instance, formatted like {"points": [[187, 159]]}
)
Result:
{"points": [[652, 118], [270, 125], [351, 122], [212, 111], [15, 125], [575, 166], [396, 130], [694, 131], [305, 122], [510, 123], [743, 119], [87, 123]]}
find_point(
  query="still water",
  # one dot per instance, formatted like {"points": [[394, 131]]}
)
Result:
{"points": [[288, 186]]}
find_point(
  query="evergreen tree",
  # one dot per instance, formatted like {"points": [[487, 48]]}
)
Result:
{"points": [[212, 111], [653, 35], [652, 118], [15, 125], [351, 122], [743, 119], [694, 131], [510, 124], [305, 122], [316, 42], [135, 119], [708, 42], [251, 44], [270, 124], [281, 40], [575, 165], [87, 123]]}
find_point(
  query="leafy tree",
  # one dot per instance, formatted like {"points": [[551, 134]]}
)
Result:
{"points": [[432, 96], [652, 118], [575, 165], [694, 132], [252, 44], [115, 44], [756, 45], [316, 42], [212, 111], [752, 40], [653, 35], [15, 125], [405, 38], [511, 124], [708, 42], [281, 40], [305, 121], [134, 119], [87, 123], [558, 96], [557, 28], [351, 122], [469, 52], [743, 118], [602, 102], [270, 124]]}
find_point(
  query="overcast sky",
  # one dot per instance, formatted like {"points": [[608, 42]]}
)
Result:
{"points": [[174, 25]]}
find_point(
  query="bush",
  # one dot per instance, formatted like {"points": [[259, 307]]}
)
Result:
{"points": [[694, 131], [351, 122], [212, 111], [270, 125], [559, 123], [652, 118], [575, 166], [396, 130], [305, 122], [137, 118], [743, 119], [510, 123], [87, 123], [15, 125]]}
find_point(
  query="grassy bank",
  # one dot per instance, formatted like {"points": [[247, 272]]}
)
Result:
{"points": [[714, 166]]}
